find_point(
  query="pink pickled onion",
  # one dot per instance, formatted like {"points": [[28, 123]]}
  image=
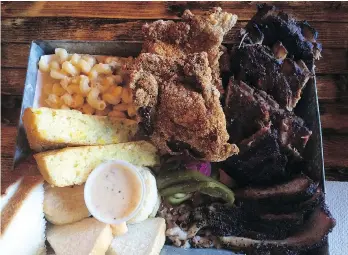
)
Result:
{"points": [[200, 166]]}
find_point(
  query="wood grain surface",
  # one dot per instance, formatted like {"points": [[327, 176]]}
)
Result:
{"points": [[23, 22]]}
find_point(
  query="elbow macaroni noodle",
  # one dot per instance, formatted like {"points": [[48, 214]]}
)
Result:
{"points": [[84, 84], [94, 101]]}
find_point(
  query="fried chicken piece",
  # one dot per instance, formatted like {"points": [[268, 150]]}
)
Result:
{"points": [[179, 106], [192, 35]]}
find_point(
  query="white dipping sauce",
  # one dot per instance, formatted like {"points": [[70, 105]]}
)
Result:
{"points": [[114, 192]]}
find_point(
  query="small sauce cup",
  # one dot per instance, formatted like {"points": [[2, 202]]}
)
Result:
{"points": [[114, 191]]}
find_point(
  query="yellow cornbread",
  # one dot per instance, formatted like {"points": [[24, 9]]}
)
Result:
{"points": [[48, 128], [72, 165]]}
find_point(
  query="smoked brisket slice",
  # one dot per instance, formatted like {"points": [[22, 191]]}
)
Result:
{"points": [[311, 235], [298, 189], [269, 207], [272, 226]]}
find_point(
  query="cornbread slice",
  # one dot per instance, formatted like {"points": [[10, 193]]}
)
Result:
{"points": [[72, 165], [64, 205], [48, 128], [87, 236]]}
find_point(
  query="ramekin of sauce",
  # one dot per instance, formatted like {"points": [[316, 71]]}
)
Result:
{"points": [[114, 191]]}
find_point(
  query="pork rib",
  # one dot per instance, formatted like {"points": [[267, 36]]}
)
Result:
{"points": [[248, 110], [269, 26], [257, 66]]}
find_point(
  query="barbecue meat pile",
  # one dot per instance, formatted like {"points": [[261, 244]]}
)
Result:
{"points": [[194, 34], [181, 107], [282, 210]]}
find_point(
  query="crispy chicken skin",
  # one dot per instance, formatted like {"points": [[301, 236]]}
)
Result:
{"points": [[193, 34], [185, 112]]}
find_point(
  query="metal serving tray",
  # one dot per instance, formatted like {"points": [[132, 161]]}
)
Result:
{"points": [[307, 108]]}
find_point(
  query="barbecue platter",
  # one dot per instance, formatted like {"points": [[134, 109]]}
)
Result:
{"points": [[213, 130]]}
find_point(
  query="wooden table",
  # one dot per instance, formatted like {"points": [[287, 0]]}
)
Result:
{"points": [[23, 22]]}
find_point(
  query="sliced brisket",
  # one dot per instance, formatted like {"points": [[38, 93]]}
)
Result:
{"points": [[298, 189], [272, 226], [254, 207], [312, 234]]}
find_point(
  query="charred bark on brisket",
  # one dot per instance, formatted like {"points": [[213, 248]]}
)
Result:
{"points": [[276, 59], [258, 207], [312, 235], [221, 220], [273, 226], [298, 189]]}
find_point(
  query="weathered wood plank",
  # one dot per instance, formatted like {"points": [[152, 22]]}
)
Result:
{"points": [[10, 109], [15, 54], [335, 154], [334, 118], [318, 11], [331, 35], [333, 61], [327, 88], [8, 134], [336, 174], [12, 81]]}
